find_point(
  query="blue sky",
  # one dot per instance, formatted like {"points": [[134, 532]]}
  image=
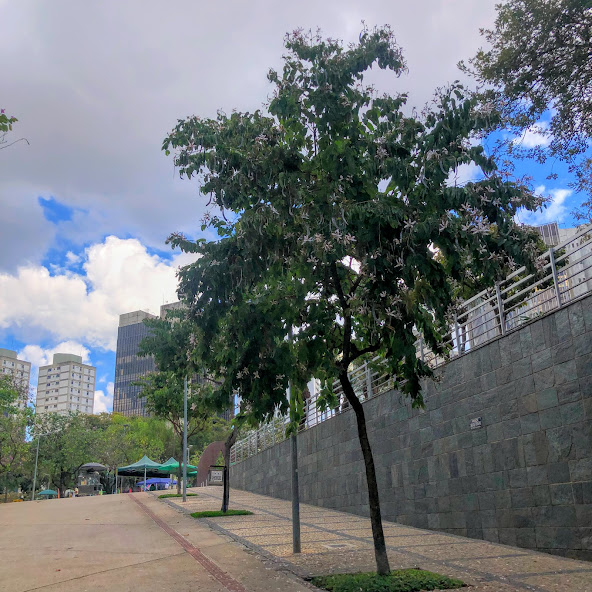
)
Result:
{"points": [[88, 203]]}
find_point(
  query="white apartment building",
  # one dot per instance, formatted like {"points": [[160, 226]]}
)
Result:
{"points": [[20, 370], [66, 385]]}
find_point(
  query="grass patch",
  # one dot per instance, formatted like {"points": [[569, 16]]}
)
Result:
{"points": [[218, 513], [402, 580], [165, 495]]}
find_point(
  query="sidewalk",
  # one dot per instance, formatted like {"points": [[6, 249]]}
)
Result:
{"points": [[337, 542], [125, 543]]}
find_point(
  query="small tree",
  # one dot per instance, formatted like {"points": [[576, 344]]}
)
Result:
{"points": [[339, 202], [15, 416], [172, 343], [539, 60]]}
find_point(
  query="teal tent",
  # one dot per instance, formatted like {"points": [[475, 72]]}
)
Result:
{"points": [[48, 492]]}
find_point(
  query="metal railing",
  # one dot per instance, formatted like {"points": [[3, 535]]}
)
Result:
{"points": [[565, 275]]}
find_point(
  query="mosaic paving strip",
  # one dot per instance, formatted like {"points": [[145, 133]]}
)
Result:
{"points": [[516, 579]]}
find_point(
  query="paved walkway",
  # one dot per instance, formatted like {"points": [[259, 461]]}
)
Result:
{"points": [[123, 543], [338, 542]]}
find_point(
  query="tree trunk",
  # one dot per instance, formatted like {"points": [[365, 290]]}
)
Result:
{"points": [[226, 493], [382, 562], [6, 488]]}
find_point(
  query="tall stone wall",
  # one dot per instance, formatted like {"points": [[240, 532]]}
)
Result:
{"points": [[524, 478]]}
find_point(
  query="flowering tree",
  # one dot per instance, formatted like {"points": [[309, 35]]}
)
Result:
{"points": [[333, 207]]}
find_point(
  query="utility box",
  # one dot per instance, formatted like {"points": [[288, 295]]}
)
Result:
{"points": [[216, 475]]}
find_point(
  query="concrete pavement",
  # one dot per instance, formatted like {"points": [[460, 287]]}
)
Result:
{"points": [[114, 543]]}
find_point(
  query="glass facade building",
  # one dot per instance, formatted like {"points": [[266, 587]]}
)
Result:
{"points": [[129, 367]]}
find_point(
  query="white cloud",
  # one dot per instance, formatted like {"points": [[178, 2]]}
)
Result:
{"points": [[556, 210], [464, 174], [39, 356], [120, 276], [104, 402], [535, 135]]}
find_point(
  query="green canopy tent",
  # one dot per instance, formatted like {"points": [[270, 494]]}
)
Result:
{"points": [[144, 467], [171, 466]]}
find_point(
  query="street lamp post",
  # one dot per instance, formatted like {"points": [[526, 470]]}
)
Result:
{"points": [[185, 440], [36, 459]]}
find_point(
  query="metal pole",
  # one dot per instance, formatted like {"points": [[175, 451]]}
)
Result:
{"points": [[295, 490], [35, 473], [295, 496], [456, 335], [144, 478], [555, 277], [185, 440], [500, 306]]}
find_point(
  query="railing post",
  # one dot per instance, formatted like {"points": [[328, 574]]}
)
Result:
{"points": [[500, 307], [555, 277], [457, 334], [368, 372]]}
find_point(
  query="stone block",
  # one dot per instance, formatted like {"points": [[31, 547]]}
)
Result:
{"points": [[523, 518], [581, 469], [577, 320], [584, 366], [562, 352], [555, 516], [507, 536], [521, 368], [541, 495], [544, 379], [503, 499], [555, 537], [528, 404], [537, 475], [549, 418], [522, 498], [569, 392], [518, 478], [582, 345], [584, 515], [561, 494], [547, 398], [536, 449], [530, 423], [491, 535], [495, 432], [562, 324], [565, 372], [512, 428], [572, 412], [560, 444], [558, 472], [582, 438], [542, 360], [526, 538]]}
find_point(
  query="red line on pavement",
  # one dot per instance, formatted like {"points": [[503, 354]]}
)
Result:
{"points": [[225, 579]]}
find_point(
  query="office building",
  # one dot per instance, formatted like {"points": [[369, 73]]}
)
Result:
{"points": [[19, 370], [129, 367], [66, 385]]}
